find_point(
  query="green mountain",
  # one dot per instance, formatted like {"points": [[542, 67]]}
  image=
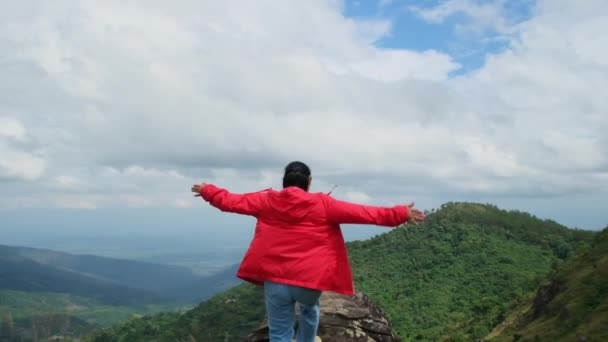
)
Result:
{"points": [[455, 277], [571, 306]]}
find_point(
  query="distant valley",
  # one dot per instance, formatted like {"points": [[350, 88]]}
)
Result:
{"points": [[90, 291]]}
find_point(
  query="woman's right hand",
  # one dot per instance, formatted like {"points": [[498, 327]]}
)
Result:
{"points": [[196, 188], [415, 216]]}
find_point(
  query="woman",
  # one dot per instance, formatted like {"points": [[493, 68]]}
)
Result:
{"points": [[298, 249]]}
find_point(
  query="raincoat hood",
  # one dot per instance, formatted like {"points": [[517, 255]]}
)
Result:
{"points": [[291, 204]]}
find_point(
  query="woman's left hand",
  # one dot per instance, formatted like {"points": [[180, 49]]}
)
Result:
{"points": [[196, 188], [416, 216]]}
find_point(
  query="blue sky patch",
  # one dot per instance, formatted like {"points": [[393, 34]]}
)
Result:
{"points": [[411, 31]]}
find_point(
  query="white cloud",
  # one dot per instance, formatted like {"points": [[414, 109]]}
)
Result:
{"points": [[20, 165], [11, 129], [484, 17], [546, 89], [69, 183], [357, 197], [397, 65], [489, 157], [130, 103], [17, 160]]}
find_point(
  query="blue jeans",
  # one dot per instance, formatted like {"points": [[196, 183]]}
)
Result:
{"points": [[280, 303]]}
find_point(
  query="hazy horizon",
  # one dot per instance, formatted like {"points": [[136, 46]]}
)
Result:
{"points": [[177, 236]]}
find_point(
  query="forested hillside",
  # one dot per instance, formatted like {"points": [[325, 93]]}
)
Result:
{"points": [[228, 316], [571, 306], [456, 276]]}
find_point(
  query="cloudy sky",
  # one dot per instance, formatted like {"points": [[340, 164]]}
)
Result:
{"points": [[113, 104]]}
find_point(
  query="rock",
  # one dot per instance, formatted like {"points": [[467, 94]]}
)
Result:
{"points": [[542, 300], [344, 318]]}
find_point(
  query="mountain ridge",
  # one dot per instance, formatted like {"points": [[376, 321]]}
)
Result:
{"points": [[132, 273], [171, 282], [452, 277], [23, 274]]}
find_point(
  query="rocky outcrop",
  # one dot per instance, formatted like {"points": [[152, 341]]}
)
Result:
{"points": [[344, 318], [543, 299]]}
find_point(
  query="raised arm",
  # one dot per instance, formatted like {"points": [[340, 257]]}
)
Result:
{"points": [[345, 212], [246, 204]]}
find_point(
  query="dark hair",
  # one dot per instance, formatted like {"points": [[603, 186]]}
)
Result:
{"points": [[296, 174]]}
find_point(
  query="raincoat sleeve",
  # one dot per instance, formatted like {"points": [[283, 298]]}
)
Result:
{"points": [[344, 212], [246, 204]]}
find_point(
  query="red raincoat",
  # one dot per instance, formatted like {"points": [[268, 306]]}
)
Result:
{"points": [[297, 239]]}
